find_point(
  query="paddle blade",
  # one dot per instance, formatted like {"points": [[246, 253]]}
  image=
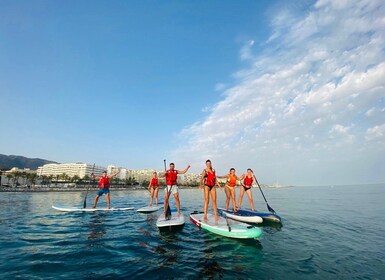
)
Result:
{"points": [[168, 213], [84, 203], [270, 209]]}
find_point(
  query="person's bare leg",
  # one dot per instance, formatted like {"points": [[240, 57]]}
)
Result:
{"points": [[227, 192], [96, 201], [241, 193], [206, 204], [108, 198], [151, 195], [156, 195], [250, 195], [176, 196], [214, 202]]}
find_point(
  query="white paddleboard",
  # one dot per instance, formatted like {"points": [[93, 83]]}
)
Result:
{"points": [[240, 216], [175, 221], [77, 209], [227, 228], [149, 209]]}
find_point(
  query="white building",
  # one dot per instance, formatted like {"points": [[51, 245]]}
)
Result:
{"points": [[70, 169], [122, 174]]}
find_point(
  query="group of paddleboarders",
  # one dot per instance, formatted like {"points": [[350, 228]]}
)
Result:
{"points": [[209, 180]]}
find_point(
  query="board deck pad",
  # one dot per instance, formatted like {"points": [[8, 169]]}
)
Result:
{"points": [[78, 209], [234, 230], [175, 220]]}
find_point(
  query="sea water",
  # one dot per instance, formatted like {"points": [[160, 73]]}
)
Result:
{"points": [[327, 232]]}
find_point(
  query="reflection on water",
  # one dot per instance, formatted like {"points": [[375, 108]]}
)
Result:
{"points": [[97, 226]]}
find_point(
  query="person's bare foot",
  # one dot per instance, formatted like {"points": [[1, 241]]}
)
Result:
{"points": [[205, 218]]}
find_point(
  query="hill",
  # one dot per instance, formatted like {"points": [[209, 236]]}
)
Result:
{"points": [[7, 162]]}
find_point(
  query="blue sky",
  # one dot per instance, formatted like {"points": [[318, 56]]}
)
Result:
{"points": [[294, 90]]}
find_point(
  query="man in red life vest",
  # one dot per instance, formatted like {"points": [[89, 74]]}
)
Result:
{"points": [[104, 187], [171, 182]]}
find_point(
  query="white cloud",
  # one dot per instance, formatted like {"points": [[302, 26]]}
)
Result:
{"points": [[306, 96], [376, 133]]}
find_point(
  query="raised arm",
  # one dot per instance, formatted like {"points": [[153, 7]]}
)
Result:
{"points": [[94, 177], [185, 170], [116, 173]]}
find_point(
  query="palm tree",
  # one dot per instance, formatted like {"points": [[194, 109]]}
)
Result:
{"points": [[33, 177], [50, 177], [9, 176]]}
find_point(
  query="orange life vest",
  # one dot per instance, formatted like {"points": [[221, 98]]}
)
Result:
{"points": [[171, 176], [232, 180], [210, 178]]}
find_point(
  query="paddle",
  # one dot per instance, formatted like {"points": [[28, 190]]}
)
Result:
{"points": [[89, 184], [227, 222], [168, 210], [268, 206]]}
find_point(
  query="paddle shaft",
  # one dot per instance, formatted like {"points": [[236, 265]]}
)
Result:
{"points": [[268, 206], [89, 184], [168, 210]]}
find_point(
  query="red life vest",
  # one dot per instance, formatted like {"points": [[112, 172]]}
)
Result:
{"points": [[248, 181], [154, 182], [210, 178], [171, 176], [104, 183]]}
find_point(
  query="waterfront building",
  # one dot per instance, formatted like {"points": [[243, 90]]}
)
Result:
{"points": [[70, 169]]}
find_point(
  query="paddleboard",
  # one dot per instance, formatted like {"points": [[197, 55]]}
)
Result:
{"points": [[267, 217], [77, 209], [149, 209], [234, 230], [240, 216], [174, 222]]}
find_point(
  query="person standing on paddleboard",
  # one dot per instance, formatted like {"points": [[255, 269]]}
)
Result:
{"points": [[210, 180], [231, 183], [153, 187], [249, 179], [104, 187], [171, 177]]}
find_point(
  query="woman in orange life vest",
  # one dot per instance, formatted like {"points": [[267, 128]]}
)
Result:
{"points": [[231, 183], [246, 188], [104, 187], [171, 176], [208, 175], [153, 187]]}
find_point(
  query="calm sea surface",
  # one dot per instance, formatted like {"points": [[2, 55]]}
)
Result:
{"points": [[327, 233]]}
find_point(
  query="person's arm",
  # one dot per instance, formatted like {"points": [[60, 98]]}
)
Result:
{"points": [[218, 184], [223, 177], [202, 179], [149, 185], [94, 177], [241, 178], [184, 171], [116, 173]]}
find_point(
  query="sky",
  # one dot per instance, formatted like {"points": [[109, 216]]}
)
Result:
{"points": [[294, 90]]}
